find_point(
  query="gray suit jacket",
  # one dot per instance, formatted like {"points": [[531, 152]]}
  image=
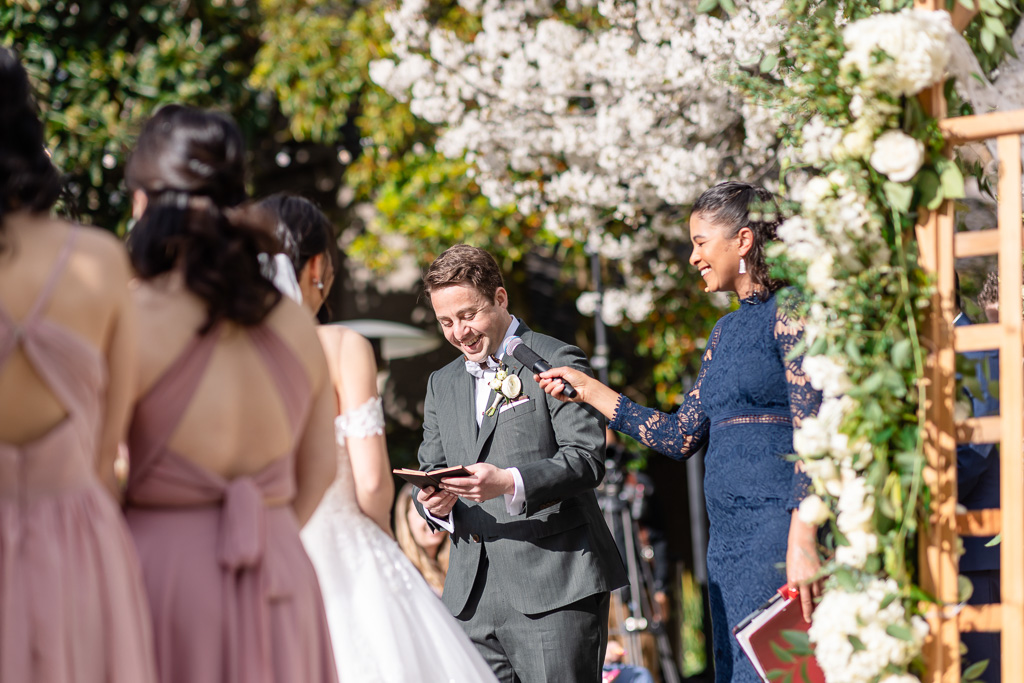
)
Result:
{"points": [[559, 550]]}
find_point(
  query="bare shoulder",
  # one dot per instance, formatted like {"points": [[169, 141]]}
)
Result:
{"points": [[345, 341], [100, 257]]}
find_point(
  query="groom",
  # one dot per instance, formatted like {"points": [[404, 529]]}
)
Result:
{"points": [[532, 561]]}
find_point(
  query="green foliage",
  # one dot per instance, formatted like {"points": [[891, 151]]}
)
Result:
{"points": [[421, 198], [990, 33], [100, 69]]}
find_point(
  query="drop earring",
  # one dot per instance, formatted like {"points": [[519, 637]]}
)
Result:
{"points": [[743, 266]]}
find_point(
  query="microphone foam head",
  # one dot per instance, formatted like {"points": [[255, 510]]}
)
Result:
{"points": [[510, 344]]}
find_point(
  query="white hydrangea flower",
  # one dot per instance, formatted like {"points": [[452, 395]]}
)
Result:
{"points": [[819, 139], [915, 41], [828, 375], [841, 615], [813, 510]]}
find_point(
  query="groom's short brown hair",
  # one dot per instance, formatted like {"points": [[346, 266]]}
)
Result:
{"points": [[464, 265]]}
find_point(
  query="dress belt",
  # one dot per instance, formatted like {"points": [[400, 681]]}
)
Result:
{"points": [[781, 416]]}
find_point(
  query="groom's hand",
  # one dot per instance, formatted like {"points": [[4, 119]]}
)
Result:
{"points": [[436, 502], [487, 482]]}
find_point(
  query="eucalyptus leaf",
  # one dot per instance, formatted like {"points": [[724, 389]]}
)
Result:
{"points": [[782, 653], [900, 631], [964, 588], [899, 195], [988, 40], [952, 180], [902, 353], [974, 671]]}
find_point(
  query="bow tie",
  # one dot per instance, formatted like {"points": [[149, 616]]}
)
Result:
{"points": [[478, 369]]}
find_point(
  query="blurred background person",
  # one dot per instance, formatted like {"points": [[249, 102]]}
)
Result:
{"points": [[615, 670], [977, 479], [426, 549], [386, 623], [230, 446], [72, 602]]}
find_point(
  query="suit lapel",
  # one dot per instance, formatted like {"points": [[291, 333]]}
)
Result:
{"points": [[465, 408], [489, 423]]}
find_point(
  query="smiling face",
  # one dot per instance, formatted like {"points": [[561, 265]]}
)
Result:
{"points": [[717, 256], [470, 321], [422, 533]]}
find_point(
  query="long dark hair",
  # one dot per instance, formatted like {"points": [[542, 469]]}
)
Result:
{"points": [[191, 165], [733, 205], [307, 232], [28, 179]]}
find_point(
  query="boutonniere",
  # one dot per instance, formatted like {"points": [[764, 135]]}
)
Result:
{"points": [[507, 386]]}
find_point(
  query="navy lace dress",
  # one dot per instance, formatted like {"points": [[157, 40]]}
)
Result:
{"points": [[743, 407]]}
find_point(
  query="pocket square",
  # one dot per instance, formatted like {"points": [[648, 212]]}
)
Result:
{"points": [[519, 402]]}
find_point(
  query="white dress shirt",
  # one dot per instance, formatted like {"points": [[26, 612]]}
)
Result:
{"points": [[515, 501]]}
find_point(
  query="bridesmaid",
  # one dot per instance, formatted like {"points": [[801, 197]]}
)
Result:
{"points": [[749, 396], [72, 603], [231, 446]]}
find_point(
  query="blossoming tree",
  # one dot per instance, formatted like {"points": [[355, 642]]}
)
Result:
{"points": [[602, 117]]}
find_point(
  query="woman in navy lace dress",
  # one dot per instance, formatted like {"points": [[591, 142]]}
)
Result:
{"points": [[748, 398]]}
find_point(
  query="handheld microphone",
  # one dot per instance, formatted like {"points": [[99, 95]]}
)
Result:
{"points": [[525, 355]]}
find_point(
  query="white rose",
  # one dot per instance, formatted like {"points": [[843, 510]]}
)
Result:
{"points": [[813, 511], [897, 155]]}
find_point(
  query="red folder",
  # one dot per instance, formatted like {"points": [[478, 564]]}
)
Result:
{"points": [[774, 638]]}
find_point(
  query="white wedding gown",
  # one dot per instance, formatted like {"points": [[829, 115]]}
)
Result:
{"points": [[386, 624]]}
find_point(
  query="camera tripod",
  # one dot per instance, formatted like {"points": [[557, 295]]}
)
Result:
{"points": [[631, 605]]}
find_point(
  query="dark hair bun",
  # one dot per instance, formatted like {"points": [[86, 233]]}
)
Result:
{"points": [[28, 179], [190, 164]]}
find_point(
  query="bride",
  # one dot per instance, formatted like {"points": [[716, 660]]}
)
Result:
{"points": [[386, 624]]}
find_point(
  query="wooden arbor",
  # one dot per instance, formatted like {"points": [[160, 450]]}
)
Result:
{"points": [[940, 245]]}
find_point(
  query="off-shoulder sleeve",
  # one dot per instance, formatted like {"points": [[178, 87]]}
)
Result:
{"points": [[804, 399], [677, 435]]}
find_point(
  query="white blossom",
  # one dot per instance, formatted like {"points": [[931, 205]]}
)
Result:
{"points": [[591, 127]]}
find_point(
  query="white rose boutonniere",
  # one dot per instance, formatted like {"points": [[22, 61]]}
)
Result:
{"points": [[897, 156], [507, 388]]}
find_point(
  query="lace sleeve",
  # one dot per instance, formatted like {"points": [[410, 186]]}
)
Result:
{"points": [[362, 421], [677, 435], [803, 398]]}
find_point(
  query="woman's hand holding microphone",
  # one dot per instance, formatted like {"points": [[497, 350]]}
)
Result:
{"points": [[588, 389]]}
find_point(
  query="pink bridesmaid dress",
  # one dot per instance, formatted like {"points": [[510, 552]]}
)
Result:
{"points": [[233, 595], [72, 602]]}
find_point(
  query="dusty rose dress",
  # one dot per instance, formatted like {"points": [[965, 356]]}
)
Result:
{"points": [[72, 604], [233, 595]]}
